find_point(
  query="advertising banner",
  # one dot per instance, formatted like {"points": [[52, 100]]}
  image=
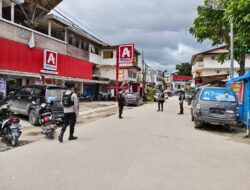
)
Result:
{"points": [[3, 87], [238, 88], [126, 56]]}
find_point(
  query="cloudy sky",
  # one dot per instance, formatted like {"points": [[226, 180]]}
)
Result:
{"points": [[159, 27]]}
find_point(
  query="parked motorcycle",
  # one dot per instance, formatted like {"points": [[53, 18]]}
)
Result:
{"points": [[10, 128], [47, 124]]}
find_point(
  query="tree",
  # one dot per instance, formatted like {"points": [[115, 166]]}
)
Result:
{"points": [[184, 69], [213, 24]]}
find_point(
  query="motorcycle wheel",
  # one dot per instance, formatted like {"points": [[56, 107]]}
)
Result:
{"points": [[14, 141]]}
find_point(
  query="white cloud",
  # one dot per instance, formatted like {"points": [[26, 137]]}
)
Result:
{"points": [[159, 27]]}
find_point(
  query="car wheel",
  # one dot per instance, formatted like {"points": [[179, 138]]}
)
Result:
{"points": [[33, 119], [192, 117], [197, 124]]}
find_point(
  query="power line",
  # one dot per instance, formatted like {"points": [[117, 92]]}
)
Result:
{"points": [[97, 35], [124, 26]]}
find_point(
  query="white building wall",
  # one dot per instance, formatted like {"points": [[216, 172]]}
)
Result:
{"points": [[210, 66], [93, 58], [108, 72]]}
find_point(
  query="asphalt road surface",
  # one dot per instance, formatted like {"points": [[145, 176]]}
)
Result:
{"points": [[147, 150]]}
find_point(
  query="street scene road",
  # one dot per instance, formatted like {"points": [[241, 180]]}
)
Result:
{"points": [[145, 150], [124, 95]]}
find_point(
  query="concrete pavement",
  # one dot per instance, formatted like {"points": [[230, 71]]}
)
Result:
{"points": [[146, 150]]}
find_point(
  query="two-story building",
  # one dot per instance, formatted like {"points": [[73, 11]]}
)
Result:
{"points": [[105, 70], [206, 68], [43, 48], [38, 47]]}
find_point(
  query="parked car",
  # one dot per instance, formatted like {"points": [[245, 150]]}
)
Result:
{"points": [[215, 105], [22, 101], [133, 99], [156, 96]]}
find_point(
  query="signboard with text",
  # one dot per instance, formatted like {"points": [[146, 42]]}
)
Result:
{"points": [[238, 88], [125, 56], [50, 60]]}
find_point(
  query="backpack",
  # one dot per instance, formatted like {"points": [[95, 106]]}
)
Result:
{"points": [[66, 100]]}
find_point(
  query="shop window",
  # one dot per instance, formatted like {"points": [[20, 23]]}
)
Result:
{"points": [[108, 54]]}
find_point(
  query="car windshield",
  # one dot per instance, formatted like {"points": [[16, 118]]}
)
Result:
{"points": [[54, 94], [220, 95], [130, 95]]}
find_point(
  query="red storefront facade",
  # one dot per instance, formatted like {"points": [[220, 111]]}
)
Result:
{"points": [[17, 60], [19, 57]]}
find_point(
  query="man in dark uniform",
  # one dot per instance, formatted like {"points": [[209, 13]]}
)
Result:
{"points": [[121, 103], [181, 101]]}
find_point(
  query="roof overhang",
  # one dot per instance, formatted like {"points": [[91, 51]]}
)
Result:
{"points": [[218, 50]]}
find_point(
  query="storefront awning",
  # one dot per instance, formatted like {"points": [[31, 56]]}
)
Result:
{"points": [[34, 75]]}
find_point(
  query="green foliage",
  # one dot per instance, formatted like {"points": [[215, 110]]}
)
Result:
{"points": [[214, 24], [150, 94], [184, 69]]}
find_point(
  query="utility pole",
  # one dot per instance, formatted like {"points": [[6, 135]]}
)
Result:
{"points": [[144, 77], [232, 48]]}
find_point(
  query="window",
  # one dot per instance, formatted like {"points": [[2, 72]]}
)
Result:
{"points": [[213, 58], [72, 39], [85, 46], [220, 95], [95, 50], [108, 54], [39, 91], [26, 91], [132, 74]]}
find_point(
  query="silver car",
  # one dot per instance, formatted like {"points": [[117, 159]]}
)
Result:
{"points": [[133, 99], [215, 105]]}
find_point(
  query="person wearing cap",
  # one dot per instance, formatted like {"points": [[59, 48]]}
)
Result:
{"points": [[71, 111], [121, 103]]}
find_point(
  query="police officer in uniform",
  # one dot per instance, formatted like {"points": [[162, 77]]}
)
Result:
{"points": [[71, 111], [121, 103]]}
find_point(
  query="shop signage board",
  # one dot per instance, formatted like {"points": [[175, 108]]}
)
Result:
{"points": [[238, 88], [126, 56], [121, 74], [50, 60], [3, 87]]}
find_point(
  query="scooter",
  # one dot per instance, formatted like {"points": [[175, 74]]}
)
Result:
{"points": [[46, 120], [10, 128]]}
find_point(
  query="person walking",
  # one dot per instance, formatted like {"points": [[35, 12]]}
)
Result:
{"points": [[161, 100], [71, 111], [121, 103], [181, 101]]}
